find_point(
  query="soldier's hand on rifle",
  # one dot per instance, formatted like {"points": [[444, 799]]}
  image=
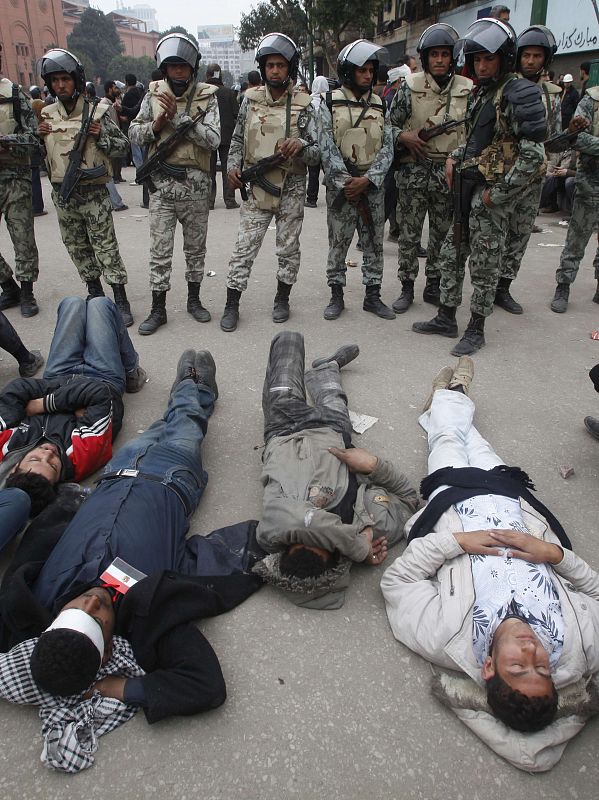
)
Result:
{"points": [[486, 198], [234, 177], [290, 147], [95, 129], [449, 165], [44, 128], [414, 143], [354, 187], [169, 109], [577, 124]]}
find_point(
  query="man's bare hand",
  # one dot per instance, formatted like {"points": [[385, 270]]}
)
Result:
{"points": [[234, 178], [95, 129], [449, 167], [577, 124], [34, 407], [527, 547], [290, 147], [169, 109], [479, 543], [414, 143], [356, 459], [44, 128], [354, 187], [378, 548], [113, 686]]}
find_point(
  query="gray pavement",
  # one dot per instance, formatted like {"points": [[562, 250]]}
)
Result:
{"points": [[328, 704]]}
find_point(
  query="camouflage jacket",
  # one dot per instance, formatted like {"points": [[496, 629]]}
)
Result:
{"points": [[335, 172], [111, 140], [587, 175], [530, 156], [306, 124], [27, 135]]}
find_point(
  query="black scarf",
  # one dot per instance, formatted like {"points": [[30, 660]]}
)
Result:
{"points": [[466, 482]]}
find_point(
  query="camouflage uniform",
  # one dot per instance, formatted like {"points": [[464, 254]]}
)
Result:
{"points": [[488, 226], [15, 198], [343, 223], [526, 207], [85, 220], [289, 216], [186, 200], [421, 188], [585, 212]]}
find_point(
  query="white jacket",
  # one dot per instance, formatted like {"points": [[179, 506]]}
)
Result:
{"points": [[429, 595]]}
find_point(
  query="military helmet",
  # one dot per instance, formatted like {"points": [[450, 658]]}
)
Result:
{"points": [[438, 35], [278, 44], [58, 60], [357, 54], [537, 36], [176, 48], [488, 35]]}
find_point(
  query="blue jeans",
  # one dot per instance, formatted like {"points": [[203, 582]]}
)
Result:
{"points": [[171, 448], [115, 198], [90, 339], [137, 155], [15, 507]]}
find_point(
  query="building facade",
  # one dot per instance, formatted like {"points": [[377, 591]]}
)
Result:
{"points": [[218, 44]]}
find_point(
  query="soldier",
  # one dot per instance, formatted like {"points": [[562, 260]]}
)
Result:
{"points": [[426, 98], [273, 118], [586, 200], [536, 46], [85, 219], [356, 147], [170, 103], [17, 126], [503, 152]]}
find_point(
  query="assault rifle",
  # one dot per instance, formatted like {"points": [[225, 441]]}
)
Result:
{"points": [[6, 141], [564, 140], [75, 172], [361, 204], [458, 214], [257, 174], [426, 134], [163, 151]]}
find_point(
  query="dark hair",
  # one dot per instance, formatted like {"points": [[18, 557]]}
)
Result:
{"points": [[64, 662], [244, 86], [382, 73], [517, 710], [254, 77], [304, 563], [586, 66], [130, 79], [108, 86], [157, 75], [405, 60], [41, 492], [497, 10], [551, 74]]}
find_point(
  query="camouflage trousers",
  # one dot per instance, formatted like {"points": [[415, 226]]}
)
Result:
{"points": [[15, 206], [87, 230], [521, 219], [185, 201], [488, 228], [421, 189], [342, 224], [585, 214], [253, 224]]}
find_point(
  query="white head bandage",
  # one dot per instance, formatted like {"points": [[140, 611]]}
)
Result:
{"points": [[395, 73], [75, 619]]}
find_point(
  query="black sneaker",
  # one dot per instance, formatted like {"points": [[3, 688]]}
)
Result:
{"points": [[29, 369], [205, 371], [185, 368], [343, 356]]}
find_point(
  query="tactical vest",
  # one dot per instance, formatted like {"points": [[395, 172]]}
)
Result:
{"points": [[432, 105], [195, 100], [358, 135], [61, 141], [10, 157], [268, 122], [594, 94], [491, 150]]}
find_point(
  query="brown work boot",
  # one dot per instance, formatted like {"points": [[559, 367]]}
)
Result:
{"points": [[440, 381], [463, 375]]}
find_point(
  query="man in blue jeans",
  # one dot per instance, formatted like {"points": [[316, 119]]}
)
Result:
{"points": [[61, 427]]}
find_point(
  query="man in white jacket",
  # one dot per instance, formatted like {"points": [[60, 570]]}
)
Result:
{"points": [[488, 584]]}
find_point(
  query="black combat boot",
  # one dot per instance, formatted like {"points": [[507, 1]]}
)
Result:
{"points": [[444, 323], [405, 299], [194, 304], [157, 315], [336, 304], [11, 294], [280, 311], [374, 304], [432, 290], [29, 307], [473, 338], [94, 288], [559, 304], [504, 299], [230, 315], [121, 302]]}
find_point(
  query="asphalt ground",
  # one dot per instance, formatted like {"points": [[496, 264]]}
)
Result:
{"points": [[328, 704]]}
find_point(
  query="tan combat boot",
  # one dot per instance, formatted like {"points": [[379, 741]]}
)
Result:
{"points": [[463, 374], [440, 381]]}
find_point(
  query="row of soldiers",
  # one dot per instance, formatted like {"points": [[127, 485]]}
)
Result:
{"points": [[474, 154]]}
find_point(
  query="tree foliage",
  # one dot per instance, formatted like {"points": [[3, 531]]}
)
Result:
{"points": [[184, 31], [331, 23], [95, 38], [141, 67]]}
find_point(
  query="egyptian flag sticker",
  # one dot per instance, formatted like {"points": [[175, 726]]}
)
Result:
{"points": [[121, 576]]}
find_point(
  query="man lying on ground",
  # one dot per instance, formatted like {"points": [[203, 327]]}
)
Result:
{"points": [[88, 654], [325, 503]]}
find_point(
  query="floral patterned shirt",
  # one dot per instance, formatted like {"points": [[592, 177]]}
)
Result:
{"points": [[506, 586]]}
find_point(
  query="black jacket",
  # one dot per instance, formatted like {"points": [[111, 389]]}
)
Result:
{"points": [[228, 109]]}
